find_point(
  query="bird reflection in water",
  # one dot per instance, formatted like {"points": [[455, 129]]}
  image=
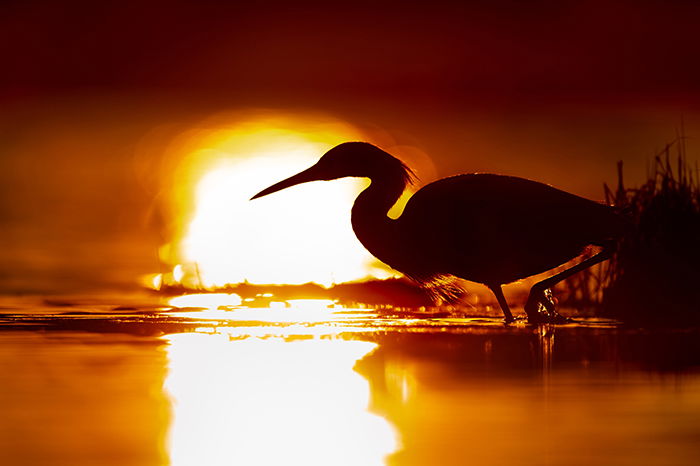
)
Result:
{"points": [[254, 401], [518, 397], [490, 229]]}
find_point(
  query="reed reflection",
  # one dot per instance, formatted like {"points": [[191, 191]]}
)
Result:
{"points": [[271, 401]]}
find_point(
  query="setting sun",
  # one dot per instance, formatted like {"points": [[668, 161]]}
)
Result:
{"points": [[301, 237]]}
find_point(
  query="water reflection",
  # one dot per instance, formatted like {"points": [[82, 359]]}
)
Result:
{"points": [[309, 384], [227, 307], [512, 399], [77, 398], [271, 401], [206, 300]]}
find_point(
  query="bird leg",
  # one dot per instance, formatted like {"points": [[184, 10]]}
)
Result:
{"points": [[498, 291], [540, 307], [540, 304]]}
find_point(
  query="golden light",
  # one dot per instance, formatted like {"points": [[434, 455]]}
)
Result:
{"points": [[228, 307], [263, 402], [211, 301], [298, 236]]}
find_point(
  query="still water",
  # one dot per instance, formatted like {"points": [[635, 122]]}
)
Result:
{"points": [[151, 383]]}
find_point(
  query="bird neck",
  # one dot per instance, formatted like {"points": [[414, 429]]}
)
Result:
{"points": [[375, 230]]}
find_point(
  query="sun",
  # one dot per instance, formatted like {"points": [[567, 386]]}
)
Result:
{"points": [[300, 237]]}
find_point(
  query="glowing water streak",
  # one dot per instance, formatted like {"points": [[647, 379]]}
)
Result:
{"points": [[263, 402]]}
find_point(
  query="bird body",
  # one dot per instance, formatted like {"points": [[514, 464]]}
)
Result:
{"points": [[486, 228], [496, 229]]}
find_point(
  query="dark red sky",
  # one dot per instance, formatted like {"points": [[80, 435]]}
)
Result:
{"points": [[446, 53]]}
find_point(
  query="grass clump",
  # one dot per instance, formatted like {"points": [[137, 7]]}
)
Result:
{"points": [[655, 274]]}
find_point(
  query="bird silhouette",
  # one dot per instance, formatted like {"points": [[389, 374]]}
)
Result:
{"points": [[485, 228]]}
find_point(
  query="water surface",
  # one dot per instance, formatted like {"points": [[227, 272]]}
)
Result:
{"points": [[138, 381]]}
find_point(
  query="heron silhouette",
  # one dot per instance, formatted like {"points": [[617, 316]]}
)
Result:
{"points": [[485, 228]]}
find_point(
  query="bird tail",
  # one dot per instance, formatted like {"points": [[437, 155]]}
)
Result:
{"points": [[445, 288]]}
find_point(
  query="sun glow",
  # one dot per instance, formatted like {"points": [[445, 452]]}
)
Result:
{"points": [[221, 305], [212, 301], [297, 236], [263, 402]]}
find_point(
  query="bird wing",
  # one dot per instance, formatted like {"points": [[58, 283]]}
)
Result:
{"points": [[498, 228]]}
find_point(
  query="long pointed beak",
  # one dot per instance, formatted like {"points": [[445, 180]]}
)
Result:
{"points": [[310, 174]]}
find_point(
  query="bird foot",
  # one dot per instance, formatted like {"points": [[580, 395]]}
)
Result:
{"points": [[514, 319], [540, 308]]}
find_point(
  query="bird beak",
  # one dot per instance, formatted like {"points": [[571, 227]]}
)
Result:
{"points": [[310, 174]]}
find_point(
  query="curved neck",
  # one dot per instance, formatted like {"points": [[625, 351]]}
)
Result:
{"points": [[375, 230]]}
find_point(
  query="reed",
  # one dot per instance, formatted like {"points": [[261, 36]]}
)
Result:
{"points": [[654, 275]]}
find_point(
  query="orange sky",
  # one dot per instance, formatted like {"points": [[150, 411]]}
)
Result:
{"points": [[554, 91]]}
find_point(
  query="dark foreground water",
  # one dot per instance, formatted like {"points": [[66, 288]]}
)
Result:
{"points": [[205, 381]]}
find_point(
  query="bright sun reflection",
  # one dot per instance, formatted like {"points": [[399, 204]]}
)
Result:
{"points": [[228, 307], [206, 300], [299, 236], [270, 402]]}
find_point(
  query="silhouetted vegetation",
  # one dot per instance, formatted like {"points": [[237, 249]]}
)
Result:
{"points": [[654, 275]]}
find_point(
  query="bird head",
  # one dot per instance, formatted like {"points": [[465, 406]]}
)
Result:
{"points": [[356, 159]]}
